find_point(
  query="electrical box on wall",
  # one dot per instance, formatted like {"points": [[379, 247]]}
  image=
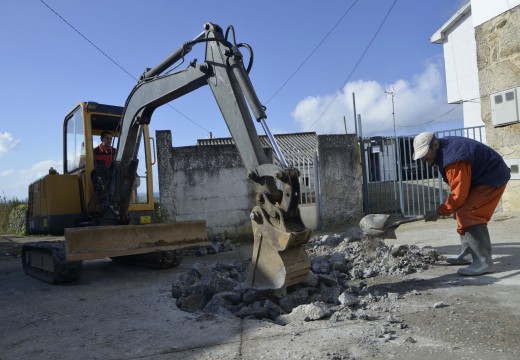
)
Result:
{"points": [[514, 165], [505, 107]]}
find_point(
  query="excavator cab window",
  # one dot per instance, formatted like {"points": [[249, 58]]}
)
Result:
{"points": [[140, 193], [74, 143], [140, 190]]}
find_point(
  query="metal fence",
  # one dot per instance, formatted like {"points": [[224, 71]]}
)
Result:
{"points": [[394, 183], [306, 163]]}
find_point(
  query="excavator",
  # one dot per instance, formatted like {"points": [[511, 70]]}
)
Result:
{"points": [[108, 212]]}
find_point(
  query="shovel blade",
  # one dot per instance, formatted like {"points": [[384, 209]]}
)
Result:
{"points": [[384, 225]]}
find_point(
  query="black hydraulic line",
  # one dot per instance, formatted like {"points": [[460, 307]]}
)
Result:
{"points": [[251, 55], [172, 58]]}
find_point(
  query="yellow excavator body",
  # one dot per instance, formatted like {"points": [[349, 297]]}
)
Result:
{"points": [[70, 204]]}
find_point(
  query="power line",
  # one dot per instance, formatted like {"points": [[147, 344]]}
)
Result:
{"points": [[312, 52], [356, 65], [90, 42], [429, 121], [112, 60]]}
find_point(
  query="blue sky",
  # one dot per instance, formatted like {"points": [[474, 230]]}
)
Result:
{"points": [[324, 50]]}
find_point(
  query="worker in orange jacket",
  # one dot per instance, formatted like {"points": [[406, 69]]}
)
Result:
{"points": [[477, 176]]}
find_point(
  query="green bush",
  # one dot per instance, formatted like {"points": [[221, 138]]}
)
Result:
{"points": [[4, 217], [17, 219], [12, 215]]}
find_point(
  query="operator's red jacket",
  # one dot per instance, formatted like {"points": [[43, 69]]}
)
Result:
{"points": [[103, 155]]}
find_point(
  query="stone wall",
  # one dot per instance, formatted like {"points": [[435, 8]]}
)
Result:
{"points": [[498, 61]]}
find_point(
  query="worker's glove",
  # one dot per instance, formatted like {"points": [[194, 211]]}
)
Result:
{"points": [[432, 215]]}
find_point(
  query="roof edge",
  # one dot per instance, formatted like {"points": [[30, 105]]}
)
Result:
{"points": [[439, 36]]}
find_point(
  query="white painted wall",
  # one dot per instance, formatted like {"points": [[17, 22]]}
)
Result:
{"points": [[471, 112], [457, 37], [484, 10], [460, 60]]}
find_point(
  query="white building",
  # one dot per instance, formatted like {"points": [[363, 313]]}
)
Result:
{"points": [[457, 36]]}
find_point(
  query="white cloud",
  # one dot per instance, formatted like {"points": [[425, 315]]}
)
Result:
{"points": [[6, 173], [7, 142], [15, 183], [419, 104]]}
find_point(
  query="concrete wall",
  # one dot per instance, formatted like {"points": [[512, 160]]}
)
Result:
{"points": [[340, 181], [204, 183], [209, 183], [498, 59]]}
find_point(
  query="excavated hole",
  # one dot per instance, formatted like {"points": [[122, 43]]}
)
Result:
{"points": [[333, 289]]}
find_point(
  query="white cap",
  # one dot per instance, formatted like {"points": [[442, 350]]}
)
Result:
{"points": [[421, 144]]}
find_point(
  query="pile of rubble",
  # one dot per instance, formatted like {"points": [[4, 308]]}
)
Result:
{"points": [[334, 287], [219, 244]]}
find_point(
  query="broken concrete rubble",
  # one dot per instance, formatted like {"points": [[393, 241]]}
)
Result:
{"points": [[315, 311], [339, 263], [219, 244]]}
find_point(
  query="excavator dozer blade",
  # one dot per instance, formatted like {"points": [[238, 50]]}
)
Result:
{"points": [[279, 258], [96, 242]]}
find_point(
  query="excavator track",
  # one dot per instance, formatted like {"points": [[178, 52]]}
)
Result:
{"points": [[46, 261], [154, 260]]}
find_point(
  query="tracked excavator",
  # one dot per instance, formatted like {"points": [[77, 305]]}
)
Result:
{"points": [[108, 212]]}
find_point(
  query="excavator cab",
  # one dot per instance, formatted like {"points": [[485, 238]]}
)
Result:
{"points": [[86, 123], [75, 198], [79, 204]]}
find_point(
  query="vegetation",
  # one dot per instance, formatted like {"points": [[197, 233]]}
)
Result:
{"points": [[12, 215]]}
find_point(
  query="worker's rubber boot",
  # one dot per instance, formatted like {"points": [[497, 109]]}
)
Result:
{"points": [[464, 257], [479, 243]]}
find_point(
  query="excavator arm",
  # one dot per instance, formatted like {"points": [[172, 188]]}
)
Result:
{"points": [[279, 259]]}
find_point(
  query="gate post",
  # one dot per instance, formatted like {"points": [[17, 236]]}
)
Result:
{"points": [[366, 209]]}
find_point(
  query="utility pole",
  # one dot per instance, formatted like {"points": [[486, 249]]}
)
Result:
{"points": [[355, 115], [392, 93], [398, 155]]}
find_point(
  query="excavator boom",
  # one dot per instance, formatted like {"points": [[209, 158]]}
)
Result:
{"points": [[279, 234]]}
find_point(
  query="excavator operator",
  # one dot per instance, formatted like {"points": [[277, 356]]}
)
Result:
{"points": [[104, 153]]}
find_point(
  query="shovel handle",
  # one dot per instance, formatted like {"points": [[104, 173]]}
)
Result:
{"points": [[410, 219]]}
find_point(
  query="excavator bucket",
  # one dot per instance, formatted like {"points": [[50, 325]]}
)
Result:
{"points": [[95, 242], [279, 258]]}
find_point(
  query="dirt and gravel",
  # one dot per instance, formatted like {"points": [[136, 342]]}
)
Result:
{"points": [[118, 311]]}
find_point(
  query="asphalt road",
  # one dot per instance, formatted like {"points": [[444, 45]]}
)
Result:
{"points": [[117, 311]]}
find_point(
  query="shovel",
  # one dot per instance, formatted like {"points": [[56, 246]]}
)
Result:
{"points": [[384, 225]]}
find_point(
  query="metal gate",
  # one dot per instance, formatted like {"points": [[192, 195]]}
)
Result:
{"points": [[394, 183], [306, 163]]}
